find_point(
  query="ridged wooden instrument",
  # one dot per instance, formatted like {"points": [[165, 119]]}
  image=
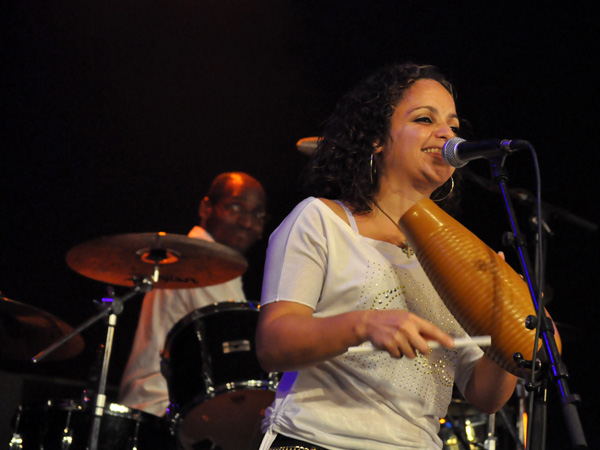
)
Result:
{"points": [[482, 291]]}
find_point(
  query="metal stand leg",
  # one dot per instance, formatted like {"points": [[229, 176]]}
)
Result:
{"points": [[100, 395]]}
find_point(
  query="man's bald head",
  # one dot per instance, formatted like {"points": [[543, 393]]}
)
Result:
{"points": [[229, 183]]}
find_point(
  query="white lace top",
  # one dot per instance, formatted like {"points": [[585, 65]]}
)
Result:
{"points": [[367, 400]]}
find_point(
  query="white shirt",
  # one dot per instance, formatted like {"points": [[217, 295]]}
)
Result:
{"points": [[369, 400], [143, 386]]}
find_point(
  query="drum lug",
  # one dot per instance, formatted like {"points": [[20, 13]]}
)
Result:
{"points": [[242, 345], [16, 442], [274, 378], [67, 437]]}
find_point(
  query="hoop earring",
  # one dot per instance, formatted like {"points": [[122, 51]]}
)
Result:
{"points": [[373, 166], [448, 194]]}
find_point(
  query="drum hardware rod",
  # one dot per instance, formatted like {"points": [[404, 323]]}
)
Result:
{"points": [[114, 309], [521, 414], [513, 430], [491, 439], [143, 286], [157, 255], [111, 309], [100, 395], [555, 368], [16, 442], [67, 433], [537, 423]]}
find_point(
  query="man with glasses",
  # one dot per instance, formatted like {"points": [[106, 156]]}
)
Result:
{"points": [[233, 213]]}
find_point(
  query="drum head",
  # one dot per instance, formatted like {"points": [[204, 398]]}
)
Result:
{"points": [[231, 421]]}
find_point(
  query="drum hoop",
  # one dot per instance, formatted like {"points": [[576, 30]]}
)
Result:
{"points": [[233, 386], [68, 417], [244, 385], [123, 411], [64, 404], [177, 413]]}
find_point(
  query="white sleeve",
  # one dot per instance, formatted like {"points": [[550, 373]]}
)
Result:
{"points": [[142, 385], [467, 361], [296, 262]]}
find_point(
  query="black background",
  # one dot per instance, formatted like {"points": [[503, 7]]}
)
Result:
{"points": [[117, 115]]}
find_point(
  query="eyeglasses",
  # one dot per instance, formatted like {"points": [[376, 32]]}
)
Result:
{"points": [[236, 210]]}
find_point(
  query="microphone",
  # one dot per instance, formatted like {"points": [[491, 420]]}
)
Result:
{"points": [[308, 145], [458, 152]]}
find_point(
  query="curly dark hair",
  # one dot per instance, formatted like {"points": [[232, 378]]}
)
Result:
{"points": [[340, 166]]}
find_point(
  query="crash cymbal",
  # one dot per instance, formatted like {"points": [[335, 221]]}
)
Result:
{"points": [[182, 262], [26, 330]]}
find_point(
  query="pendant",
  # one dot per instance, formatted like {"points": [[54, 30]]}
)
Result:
{"points": [[407, 249]]}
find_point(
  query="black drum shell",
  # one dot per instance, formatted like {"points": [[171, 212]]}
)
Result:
{"points": [[196, 362], [217, 390], [62, 424]]}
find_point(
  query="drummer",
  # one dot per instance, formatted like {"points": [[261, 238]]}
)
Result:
{"points": [[232, 213]]}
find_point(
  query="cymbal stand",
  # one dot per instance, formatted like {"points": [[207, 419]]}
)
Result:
{"points": [[491, 439], [554, 368], [112, 310]]}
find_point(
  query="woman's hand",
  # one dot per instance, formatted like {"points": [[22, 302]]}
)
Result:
{"points": [[289, 337], [401, 333]]}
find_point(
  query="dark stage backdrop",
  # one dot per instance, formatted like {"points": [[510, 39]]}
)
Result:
{"points": [[118, 114]]}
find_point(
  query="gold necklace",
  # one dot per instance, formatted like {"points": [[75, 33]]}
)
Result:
{"points": [[405, 246]]}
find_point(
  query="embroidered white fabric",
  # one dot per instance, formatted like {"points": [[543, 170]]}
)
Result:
{"points": [[371, 400]]}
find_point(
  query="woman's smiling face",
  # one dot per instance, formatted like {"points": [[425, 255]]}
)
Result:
{"points": [[424, 119]]}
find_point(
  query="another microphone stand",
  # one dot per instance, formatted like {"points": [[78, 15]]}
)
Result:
{"points": [[112, 311], [526, 198], [554, 368]]}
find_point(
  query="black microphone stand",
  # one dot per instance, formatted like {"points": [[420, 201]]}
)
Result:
{"points": [[112, 311], [553, 369]]}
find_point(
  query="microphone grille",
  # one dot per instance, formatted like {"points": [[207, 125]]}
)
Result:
{"points": [[449, 153]]}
